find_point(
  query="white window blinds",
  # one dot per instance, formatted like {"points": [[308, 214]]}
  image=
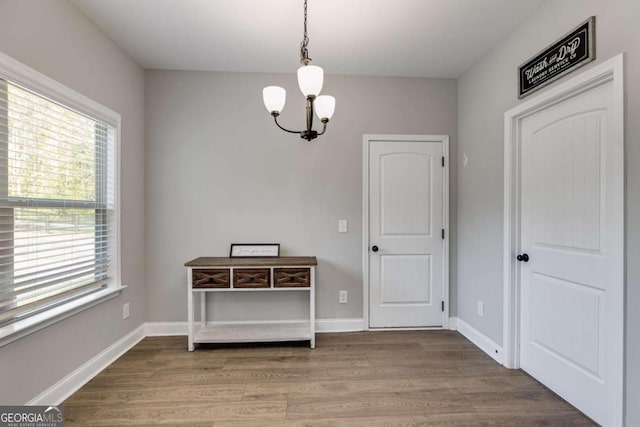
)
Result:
{"points": [[57, 203]]}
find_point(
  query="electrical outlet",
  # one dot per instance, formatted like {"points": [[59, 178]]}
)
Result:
{"points": [[480, 308], [125, 310], [343, 297], [342, 226]]}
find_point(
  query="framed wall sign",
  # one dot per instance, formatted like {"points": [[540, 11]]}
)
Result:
{"points": [[574, 50], [255, 250]]}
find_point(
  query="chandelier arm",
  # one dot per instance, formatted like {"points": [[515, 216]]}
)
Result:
{"points": [[324, 128], [275, 119]]}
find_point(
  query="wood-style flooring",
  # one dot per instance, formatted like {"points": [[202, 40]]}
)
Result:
{"points": [[368, 379]]}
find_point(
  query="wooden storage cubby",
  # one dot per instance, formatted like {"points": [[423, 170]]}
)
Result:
{"points": [[251, 278], [291, 277], [211, 278]]}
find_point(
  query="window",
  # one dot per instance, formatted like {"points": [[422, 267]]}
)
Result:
{"points": [[58, 211]]}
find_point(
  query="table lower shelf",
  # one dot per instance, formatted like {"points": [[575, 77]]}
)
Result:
{"points": [[252, 332]]}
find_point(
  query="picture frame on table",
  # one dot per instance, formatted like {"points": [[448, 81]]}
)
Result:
{"points": [[254, 250]]}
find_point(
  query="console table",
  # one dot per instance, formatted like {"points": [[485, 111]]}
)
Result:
{"points": [[208, 275]]}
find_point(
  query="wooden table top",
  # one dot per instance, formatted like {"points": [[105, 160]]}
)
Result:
{"points": [[252, 262]]}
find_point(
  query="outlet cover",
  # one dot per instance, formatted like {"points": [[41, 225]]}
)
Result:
{"points": [[125, 310], [480, 308], [342, 226], [343, 297]]}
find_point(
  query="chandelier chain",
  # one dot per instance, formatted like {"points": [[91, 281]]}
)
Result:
{"points": [[304, 52]]}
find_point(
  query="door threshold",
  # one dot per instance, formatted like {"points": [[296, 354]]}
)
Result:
{"points": [[417, 328]]}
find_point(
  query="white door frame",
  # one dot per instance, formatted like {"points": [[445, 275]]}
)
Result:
{"points": [[606, 72], [366, 141]]}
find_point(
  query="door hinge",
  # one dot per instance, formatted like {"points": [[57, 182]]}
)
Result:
{"points": [[442, 305], [443, 234], [442, 161]]}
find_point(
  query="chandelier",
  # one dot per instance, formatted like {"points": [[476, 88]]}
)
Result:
{"points": [[310, 79]]}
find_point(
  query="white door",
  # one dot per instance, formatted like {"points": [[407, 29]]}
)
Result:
{"points": [[406, 254], [571, 198]]}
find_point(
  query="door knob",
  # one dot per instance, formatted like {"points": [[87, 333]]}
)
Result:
{"points": [[374, 248], [523, 258]]}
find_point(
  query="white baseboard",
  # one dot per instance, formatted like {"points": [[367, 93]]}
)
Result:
{"points": [[482, 341], [339, 325], [154, 329], [64, 388], [165, 329]]}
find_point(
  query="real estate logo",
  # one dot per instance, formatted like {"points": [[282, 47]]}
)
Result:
{"points": [[31, 416]]}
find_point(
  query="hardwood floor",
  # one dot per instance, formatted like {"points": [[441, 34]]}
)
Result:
{"points": [[368, 379]]}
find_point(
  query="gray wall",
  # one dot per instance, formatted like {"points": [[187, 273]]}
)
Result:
{"points": [[485, 92], [219, 171], [55, 39]]}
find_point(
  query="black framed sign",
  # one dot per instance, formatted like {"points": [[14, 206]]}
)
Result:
{"points": [[254, 250], [574, 50]]}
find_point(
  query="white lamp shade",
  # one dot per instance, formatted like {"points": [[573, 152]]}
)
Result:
{"points": [[325, 105], [274, 98], [310, 79]]}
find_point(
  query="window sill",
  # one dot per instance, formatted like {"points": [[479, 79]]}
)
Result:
{"points": [[22, 328]]}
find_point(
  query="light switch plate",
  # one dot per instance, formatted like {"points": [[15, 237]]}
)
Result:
{"points": [[342, 226]]}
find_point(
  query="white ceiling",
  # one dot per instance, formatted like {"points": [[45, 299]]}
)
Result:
{"points": [[413, 38]]}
